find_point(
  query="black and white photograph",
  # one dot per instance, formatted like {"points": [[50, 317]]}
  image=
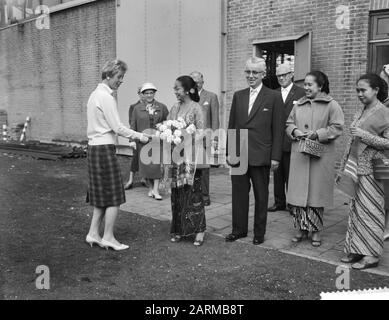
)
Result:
{"points": [[199, 156]]}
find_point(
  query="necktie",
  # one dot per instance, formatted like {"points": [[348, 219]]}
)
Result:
{"points": [[252, 99]]}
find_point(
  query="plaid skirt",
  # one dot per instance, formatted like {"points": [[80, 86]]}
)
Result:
{"points": [[105, 180]]}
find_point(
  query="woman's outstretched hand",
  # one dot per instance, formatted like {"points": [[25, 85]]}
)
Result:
{"points": [[145, 138]]}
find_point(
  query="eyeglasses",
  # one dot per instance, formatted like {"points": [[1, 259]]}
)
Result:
{"points": [[253, 72]]}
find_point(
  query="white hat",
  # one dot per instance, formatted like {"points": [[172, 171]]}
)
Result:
{"points": [[284, 69], [148, 86]]}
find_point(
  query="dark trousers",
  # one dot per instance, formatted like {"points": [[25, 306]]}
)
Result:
{"points": [[281, 177], [135, 160], [205, 183], [259, 178]]}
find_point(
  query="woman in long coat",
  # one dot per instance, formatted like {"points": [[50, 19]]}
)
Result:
{"points": [[144, 118], [316, 116]]}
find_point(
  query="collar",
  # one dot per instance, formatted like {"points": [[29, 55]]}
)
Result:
{"points": [[257, 89], [105, 87], [201, 91], [288, 88], [321, 97]]}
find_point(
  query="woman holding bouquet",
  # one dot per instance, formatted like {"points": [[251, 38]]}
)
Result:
{"points": [[188, 214], [145, 118]]}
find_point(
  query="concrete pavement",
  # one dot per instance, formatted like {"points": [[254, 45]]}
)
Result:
{"points": [[280, 228]]}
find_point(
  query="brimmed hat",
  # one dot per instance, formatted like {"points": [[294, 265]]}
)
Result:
{"points": [[148, 86], [284, 69]]}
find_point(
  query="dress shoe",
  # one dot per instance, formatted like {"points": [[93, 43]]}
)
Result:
{"points": [[365, 264], [128, 186], [91, 241], [233, 237], [113, 246], [258, 241], [176, 238], [351, 258], [300, 237], [276, 208]]}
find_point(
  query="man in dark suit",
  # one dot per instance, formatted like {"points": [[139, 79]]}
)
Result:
{"points": [[210, 104], [259, 110], [290, 94]]}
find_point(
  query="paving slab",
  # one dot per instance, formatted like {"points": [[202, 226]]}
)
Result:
{"points": [[280, 229]]}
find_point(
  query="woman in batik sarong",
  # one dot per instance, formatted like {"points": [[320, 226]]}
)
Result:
{"points": [[319, 117], [369, 137], [188, 214]]}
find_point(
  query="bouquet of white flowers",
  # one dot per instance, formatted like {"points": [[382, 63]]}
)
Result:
{"points": [[175, 132], [172, 131]]}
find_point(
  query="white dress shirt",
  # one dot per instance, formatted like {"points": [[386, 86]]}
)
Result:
{"points": [[285, 92], [103, 118], [253, 96]]}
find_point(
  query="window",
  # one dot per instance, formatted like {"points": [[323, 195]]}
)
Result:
{"points": [[379, 41], [295, 50], [13, 11]]}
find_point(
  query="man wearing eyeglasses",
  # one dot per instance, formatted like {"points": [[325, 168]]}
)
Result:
{"points": [[290, 94], [259, 110]]}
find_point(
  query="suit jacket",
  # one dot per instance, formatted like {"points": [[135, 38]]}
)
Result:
{"points": [[140, 119], [210, 105], [294, 95], [265, 125], [131, 110]]}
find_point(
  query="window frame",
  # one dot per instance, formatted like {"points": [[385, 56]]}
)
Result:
{"points": [[375, 41]]}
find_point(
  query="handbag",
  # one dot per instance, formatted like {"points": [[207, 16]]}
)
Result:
{"points": [[311, 147], [381, 169]]}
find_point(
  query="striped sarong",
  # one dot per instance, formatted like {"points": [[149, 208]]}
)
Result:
{"points": [[308, 219], [366, 219]]}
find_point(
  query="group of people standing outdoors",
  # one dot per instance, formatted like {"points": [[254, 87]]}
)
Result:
{"points": [[276, 122]]}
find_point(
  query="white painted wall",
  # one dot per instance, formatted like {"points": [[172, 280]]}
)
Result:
{"points": [[163, 39]]}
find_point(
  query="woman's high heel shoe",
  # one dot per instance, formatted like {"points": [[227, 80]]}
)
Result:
{"points": [[115, 247], [156, 196], [128, 186], [91, 241]]}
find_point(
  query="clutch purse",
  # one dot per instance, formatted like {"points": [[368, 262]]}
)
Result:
{"points": [[381, 169], [311, 147]]}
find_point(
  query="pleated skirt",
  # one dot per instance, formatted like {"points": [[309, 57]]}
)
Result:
{"points": [[105, 181]]}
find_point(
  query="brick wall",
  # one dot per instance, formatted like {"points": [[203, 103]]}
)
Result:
{"points": [[341, 54], [49, 74]]}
